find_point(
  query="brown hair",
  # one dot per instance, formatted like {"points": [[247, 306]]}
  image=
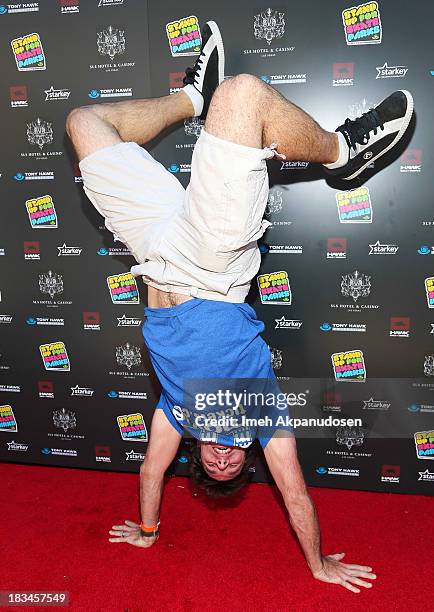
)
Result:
{"points": [[220, 488]]}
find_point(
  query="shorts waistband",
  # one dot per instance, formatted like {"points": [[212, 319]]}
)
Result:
{"points": [[235, 295]]}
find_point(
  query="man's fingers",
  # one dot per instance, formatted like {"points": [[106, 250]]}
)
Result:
{"points": [[362, 583], [350, 586], [120, 539], [119, 527], [362, 568], [360, 574], [337, 556], [131, 524]]}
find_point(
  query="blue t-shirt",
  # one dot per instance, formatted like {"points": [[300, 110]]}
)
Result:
{"points": [[215, 370]]}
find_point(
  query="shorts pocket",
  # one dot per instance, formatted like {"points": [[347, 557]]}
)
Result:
{"points": [[244, 202]]}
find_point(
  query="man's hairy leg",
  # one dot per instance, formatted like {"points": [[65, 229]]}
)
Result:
{"points": [[249, 112], [100, 125]]}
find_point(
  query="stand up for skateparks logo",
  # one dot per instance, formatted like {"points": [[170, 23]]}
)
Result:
{"points": [[123, 288], [41, 212], [362, 24], [274, 288], [349, 366], [55, 357], [28, 52], [184, 36], [354, 206]]}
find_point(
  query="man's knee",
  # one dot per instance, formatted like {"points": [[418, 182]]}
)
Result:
{"points": [[240, 86], [77, 121]]}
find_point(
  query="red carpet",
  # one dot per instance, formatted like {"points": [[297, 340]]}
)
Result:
{"points": [[55, 530]]}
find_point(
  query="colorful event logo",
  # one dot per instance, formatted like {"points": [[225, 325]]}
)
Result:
{"points": [[55, 357], [424, 441], [7, 419], [41, 212], [354, 206], [429, 289], [28, 52], [133, 427], [349, 366], [184, 36], [274, 288], [123, 288], [362, 24]]}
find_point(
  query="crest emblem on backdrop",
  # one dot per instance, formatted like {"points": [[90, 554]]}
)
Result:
{"points": [[355, 285], [64, 419], [193, 126], [51, 283], [350, 436], [275, 202], [111, 42], [276, 358], [428, 366], [268, 25], [128, 355], [39, 133]]}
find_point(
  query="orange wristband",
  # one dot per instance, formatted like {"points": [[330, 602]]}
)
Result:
{"points": [[149, 532]]}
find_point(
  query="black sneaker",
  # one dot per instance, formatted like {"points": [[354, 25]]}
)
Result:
{"points": [[374, 133], [209, 69]]}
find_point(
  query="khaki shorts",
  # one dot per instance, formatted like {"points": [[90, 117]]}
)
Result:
{"points": [[199, 241]]}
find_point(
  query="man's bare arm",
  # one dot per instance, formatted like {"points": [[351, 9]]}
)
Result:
{"points": [[162, 449], [281, 456], [163, 444]]}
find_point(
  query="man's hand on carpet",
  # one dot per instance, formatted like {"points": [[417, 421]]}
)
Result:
{"points": [[130, 533], [344, 574]]}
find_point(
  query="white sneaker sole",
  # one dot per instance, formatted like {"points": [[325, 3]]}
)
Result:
{"points": [[220, 49]]}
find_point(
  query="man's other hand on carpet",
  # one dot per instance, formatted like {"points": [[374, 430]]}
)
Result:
{"points": [[130, 533], [344, 574]]}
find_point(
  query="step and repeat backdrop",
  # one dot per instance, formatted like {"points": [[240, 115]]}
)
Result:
{"points": [[346, 285]]}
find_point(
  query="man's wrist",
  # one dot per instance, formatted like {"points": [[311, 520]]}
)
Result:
{"points": [[316, 566], [149, 531]]}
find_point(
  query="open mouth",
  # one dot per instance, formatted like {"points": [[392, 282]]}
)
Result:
{"points": [[222, 450]]}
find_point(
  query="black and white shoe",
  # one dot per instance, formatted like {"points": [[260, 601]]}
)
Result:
{"points": [[374, 133], [209, 69]]}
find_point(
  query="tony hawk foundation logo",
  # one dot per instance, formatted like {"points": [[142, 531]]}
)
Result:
{"points": [[343, 74]]}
